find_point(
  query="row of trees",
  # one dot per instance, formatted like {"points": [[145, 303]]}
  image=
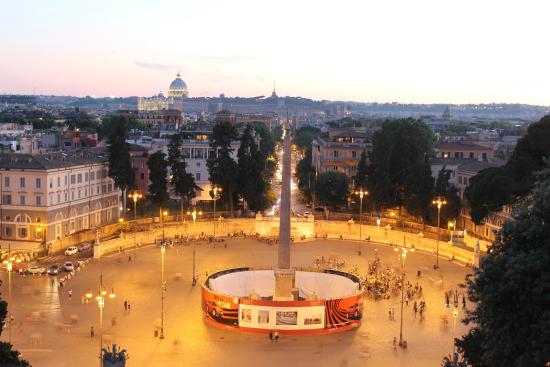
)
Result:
{"points": [[249, 177], [396, 173]]}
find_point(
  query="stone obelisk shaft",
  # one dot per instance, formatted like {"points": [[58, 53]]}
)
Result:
{"points": [[284, 224]]}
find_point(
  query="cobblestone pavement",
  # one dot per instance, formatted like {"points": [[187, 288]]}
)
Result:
{"points": [[43, 330]]}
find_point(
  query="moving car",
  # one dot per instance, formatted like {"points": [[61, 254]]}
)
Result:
{"points": [[71, 250], [35, 269], [84, 246], [68, 266], [53, 270]]}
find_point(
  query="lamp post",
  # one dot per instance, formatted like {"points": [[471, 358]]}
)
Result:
{"points": [[451, 228], [163, 289], [135, 196], [216, 191], [162, 214], [439, 202], [9, 266], [100, 298], [404, 251], [362, 193], [194, 216]]}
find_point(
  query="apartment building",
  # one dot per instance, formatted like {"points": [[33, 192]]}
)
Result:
{"points": [[47, 197], [341, 151]]}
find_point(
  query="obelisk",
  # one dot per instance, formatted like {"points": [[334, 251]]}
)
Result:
{"points": [[284, 275]]}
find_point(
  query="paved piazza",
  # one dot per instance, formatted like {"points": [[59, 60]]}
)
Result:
{"points": [[42, 331]]}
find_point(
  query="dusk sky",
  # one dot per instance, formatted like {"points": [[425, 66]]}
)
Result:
{"points": [[368, 50]]}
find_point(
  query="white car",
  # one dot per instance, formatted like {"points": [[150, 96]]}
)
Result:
{"points": [[68, 266], [71, 251], [36, 270]]}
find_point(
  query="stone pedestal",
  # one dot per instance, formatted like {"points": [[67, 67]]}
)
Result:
{"points": [[284, 284]]}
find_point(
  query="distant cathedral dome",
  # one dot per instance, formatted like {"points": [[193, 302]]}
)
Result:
{"points": [[178, 88]]}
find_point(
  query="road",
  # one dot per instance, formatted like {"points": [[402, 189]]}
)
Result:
{"points": [[42, 310]]}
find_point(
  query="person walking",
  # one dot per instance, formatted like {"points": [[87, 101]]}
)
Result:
{"points": [[91, 331], [276, 336], [463, 301], [271, 335], [70, 293], [125, 305], [128, 306]]}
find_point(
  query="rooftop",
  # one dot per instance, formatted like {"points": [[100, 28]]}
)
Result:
{"points": [[47, 161]]}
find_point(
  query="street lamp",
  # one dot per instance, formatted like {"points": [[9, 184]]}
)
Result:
{"points": [[9, 266], [194, 216], [404, 251], [135, 196], [451, 227], [439, 202], [163, 289], [100, 298], [362, 193], [216, 191], [162, 214]]}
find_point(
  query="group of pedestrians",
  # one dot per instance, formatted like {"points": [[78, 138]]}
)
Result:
{"points": [[274, 336]]}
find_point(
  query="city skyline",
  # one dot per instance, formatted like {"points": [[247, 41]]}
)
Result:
{"points": [[426, 52]]}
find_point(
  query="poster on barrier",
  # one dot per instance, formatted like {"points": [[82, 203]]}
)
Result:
{"points": [[344, 311], [298, 315], [220, 308]]}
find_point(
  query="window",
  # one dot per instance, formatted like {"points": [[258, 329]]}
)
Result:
{"points": [[85, 193], [38, 200], [21, 181], [471, 155], [58, 198], [335, 154], [92, 176], [198, 176], [142, 176], [66, 180], [72, 195], [86, 177], [58, 181], [79, 193], [22, 232], [22, 199], [39, 183], [73, 179], [6, 199], [7, 181], [457, 155], [8, 231], [66, 196], [354, 154], [459, 179], [466, 181], [79, 178], [484, 156], [198, 164]]}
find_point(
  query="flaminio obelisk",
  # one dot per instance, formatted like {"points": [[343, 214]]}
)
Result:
{"points": [[284, 275]]}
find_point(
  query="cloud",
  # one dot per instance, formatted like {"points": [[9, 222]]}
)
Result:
{"points": [[155, 66]]}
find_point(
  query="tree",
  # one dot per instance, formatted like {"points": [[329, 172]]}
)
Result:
{"points": [[360, 179], [8, 356], [158, 170], [120, 164], [303, 137], [251, 184], [331, 189], [82, 121], [109, 123], [444, 189], [511, 288], [222, 168], [306, 176], [399, 174], [492, 188], [182, 181]]}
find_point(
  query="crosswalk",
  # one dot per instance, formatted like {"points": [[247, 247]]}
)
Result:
{"points": [[61, 258]]}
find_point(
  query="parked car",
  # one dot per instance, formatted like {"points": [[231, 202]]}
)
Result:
{"points": [[35, 269], [84, 246], [71, 251], [68, 266], [19, 267], [53, 270]]}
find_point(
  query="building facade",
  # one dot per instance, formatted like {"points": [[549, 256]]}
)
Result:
{"points": [[47, 197], [340, 152]]}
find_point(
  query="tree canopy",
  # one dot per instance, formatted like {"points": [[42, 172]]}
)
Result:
{"points": [[399, 173], [444, 189], [331, 188], [511, 290], [304, 136], [120, 164], [183, 181], [360, 179], [492, 188], [305, 173], [158, 170], [222, 168]]}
